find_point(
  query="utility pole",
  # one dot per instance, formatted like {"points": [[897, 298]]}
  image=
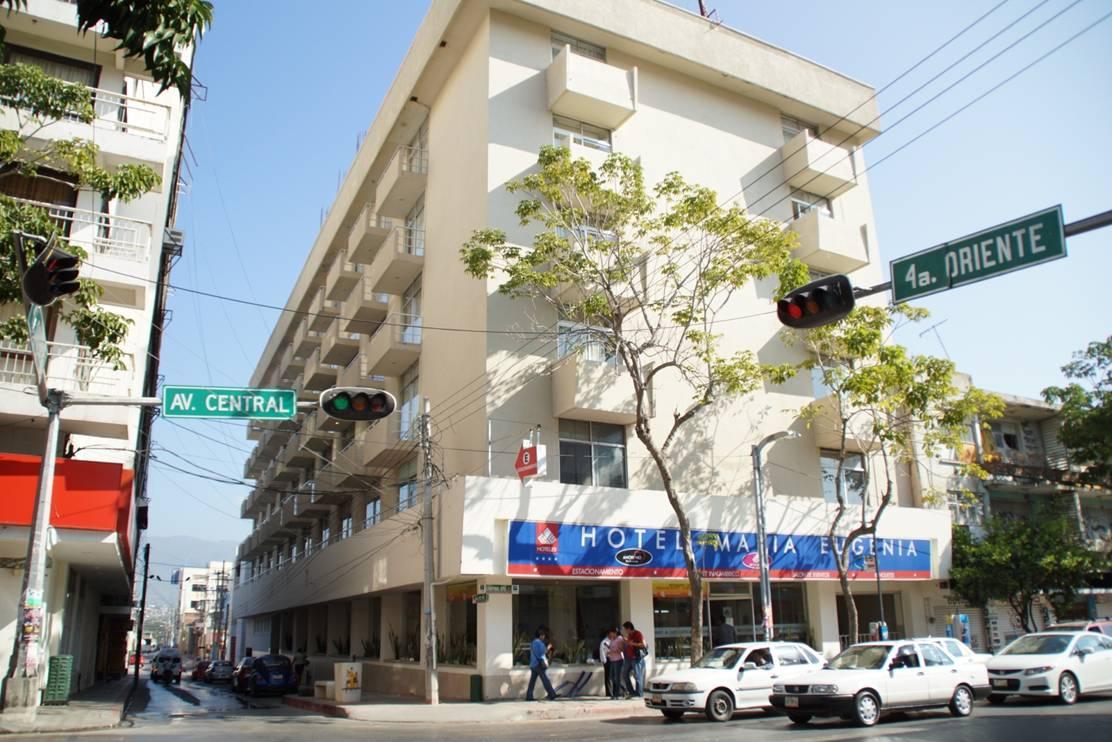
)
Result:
{"points": [[762, 536], [142, 616], [432, 682]]}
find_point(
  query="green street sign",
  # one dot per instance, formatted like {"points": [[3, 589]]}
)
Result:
{"points": [[36, 333], [201, 401], [1021, 243]]}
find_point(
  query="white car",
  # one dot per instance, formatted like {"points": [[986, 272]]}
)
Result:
{"points": [[960, 652], [1061, 664], [868, 680], [730, 677]]}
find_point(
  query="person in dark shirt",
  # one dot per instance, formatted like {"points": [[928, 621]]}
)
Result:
{"points": [[634, 662], [538, 665]]}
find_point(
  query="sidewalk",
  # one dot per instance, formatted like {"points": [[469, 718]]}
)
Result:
{"points": [[397, 710], [99, 707]]}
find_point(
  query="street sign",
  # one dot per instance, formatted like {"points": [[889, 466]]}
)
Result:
{"points": [[36, 331], [530, 461], [257, 404], [1021, 243], [505, 589]]}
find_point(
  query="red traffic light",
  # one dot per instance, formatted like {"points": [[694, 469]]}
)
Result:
{"points": [[53, 274], [819, 303], [356, 403]]}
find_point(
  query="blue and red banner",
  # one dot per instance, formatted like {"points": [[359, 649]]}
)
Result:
{"points": [[575, 550]]}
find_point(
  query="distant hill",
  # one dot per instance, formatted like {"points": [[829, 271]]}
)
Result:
{"points": [[181, 551]]}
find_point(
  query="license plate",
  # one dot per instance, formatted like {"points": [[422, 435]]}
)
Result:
{"points": [[997, 683], [657, 698], [791, 702]]}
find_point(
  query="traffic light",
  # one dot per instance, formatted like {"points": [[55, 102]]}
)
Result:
{"points": [[818, 303], [356, 403], [52, 275]]}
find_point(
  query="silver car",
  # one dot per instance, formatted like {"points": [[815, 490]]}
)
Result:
{"points": [[219, 671]]}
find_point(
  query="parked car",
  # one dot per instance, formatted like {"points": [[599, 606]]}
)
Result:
{"points": [[166, 667], [220, 671], [958, 651], [199, 668], [729, 677], [1098, 625], [871, 679], [1052, 664], [271, 673]]}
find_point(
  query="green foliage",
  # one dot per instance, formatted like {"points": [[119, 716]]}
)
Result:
{"points": [[1086, 410], [1019, 560]]}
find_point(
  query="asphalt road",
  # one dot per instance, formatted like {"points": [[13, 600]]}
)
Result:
{"points": [[195, 711]]}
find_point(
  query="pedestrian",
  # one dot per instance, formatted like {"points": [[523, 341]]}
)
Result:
{"points": [[538, 665], [634, 660], [300, 661], [603, 648], [615, 657]]}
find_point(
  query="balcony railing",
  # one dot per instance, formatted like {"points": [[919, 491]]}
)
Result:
{"points": [[402, 182], [73, 368], [394, 345], [130, 115], [101, 234], [399, 261]]}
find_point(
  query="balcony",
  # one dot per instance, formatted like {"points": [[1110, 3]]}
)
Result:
{"points": [[402, 182], [394, 346], [337, 346], [825, 420], [101, 235], [319, 375], [589, 90], [342, 277], [399, 261], [308, 503], [829, 244], [305, 339], [322, 311], [294, 456], [364, 307], [367, 234], [592, 390], [816, 166], [291, 364], [255, 503], [388, 443], [315, 434], [255, 463]]}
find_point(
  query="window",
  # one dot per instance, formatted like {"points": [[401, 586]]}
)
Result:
{"points": [[345, 527], [407, 485], [804, 202], [374, 512], [1007, 437], [411, 313], [293, 551], [410, 408], [853, 477], [576, 615], [589, 341], [63, 68], [906, 656], [933, 656], [578, 46], [415, 228], [592, 453], [792, 126], [566, 132], [325, 535], [1089, 643], [787, 655], [956, 648]]}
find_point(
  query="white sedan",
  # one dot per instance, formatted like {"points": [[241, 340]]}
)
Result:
{"points": [[730, 677], [1054, 664], [868, 680], [960, 652]]}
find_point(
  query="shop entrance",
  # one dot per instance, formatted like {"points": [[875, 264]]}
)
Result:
{"points": [[868, 610]]}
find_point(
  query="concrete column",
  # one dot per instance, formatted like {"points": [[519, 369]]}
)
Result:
{"points": [[358, 511], [636, 597], [494, 638], [391, 623], [339, 626], [299, 624], [360, 629], [822, 614], [334, 518], [315, 532]]}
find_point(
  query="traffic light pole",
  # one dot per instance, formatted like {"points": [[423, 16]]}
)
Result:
{"points": [[432, 681]]}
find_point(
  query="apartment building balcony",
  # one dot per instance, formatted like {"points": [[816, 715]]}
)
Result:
{"points": [[399, 261], [335, 481], [316, 434], [291, 364], [592, 390], [337, 346], [394, 346], [255, 503], [829, 244], [364, 308], [589, 90], [825, 419], [105, 237], [294, 456], [388, 443], [816, 166], [402, 182], [305, 339], [256, 462], [367, 234], [342, 276], [307, 502], [322, 311], [319, 375]]}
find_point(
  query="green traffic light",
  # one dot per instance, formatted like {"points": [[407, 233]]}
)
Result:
{"points": [[341, 402]]}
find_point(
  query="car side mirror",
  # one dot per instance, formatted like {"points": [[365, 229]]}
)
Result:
{"points": [[1083, 651], [749, 666], [895, 665]]}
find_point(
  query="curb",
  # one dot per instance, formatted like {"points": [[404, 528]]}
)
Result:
{"points": [[310, 704]]}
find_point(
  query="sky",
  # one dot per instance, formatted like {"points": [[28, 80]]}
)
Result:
{"points": [[290, 92]]}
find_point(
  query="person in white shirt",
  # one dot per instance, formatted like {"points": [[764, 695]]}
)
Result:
{"points": [[603, 650]]}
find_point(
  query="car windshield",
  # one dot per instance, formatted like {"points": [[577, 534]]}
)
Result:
{"points": [[865, 657], [721, 658], [1036, 644], [218, 665], [274, 662]]}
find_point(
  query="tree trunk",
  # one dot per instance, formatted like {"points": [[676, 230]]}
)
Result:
{"points": [[851, 606]]}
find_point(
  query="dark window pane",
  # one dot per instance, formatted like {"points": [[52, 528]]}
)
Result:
{"points": [[575, 463], [575, 429], [610, 466], [603, 433]]}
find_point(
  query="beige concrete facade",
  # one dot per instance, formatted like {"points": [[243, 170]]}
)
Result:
{"points": [[474, 100]]}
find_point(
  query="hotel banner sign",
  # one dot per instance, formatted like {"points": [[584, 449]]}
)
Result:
{"points": [[575, 550]]}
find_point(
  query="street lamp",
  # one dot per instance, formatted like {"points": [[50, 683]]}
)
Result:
{"points": [[762, 546]]}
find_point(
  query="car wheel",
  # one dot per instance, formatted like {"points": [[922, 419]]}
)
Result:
{"points": [[866, 708], [672, 714], [1067, 688], [962, 702], [800, 719], [720, 706], [996, 698]]}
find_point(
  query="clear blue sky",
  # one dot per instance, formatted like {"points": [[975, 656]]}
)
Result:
{"points": [[289, 91]]}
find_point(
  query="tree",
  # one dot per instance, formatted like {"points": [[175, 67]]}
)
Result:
{"points": [[153, 30], [1086, 410], [889, 407], [1020, 559], [644, 273]]}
